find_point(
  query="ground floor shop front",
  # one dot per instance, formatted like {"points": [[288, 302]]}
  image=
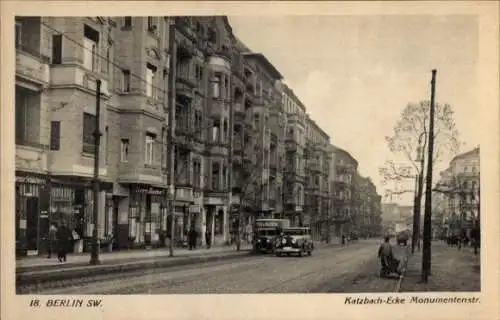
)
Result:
{"points": [[129, 215]]}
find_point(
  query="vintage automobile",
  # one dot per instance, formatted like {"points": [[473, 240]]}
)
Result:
{"points": [[296, 240], [403, 237], [266, 231]]}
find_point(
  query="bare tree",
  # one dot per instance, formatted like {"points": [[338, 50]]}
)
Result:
{"points": [[410, 138]]}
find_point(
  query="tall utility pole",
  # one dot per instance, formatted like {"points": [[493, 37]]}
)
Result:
{"points": [[426, 254], [171, 131], [94, 255]]}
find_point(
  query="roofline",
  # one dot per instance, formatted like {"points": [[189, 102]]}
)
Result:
{"points": [[262, 58], [289, 91], [345, 152], [462, 155]]}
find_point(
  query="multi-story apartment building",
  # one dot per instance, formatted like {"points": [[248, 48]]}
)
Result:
{"points": [[345, 169], [295, 143], [368, 218], [240, 137], [460, 184], [317, 171]]}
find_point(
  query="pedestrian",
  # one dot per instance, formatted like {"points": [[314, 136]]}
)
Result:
{"points": [[64, 238], [343, 239], [208, 239], [192, 235], [387, 260], [52, 240]]}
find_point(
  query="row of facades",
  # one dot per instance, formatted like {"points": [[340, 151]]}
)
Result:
{"points": [[243, 140]]}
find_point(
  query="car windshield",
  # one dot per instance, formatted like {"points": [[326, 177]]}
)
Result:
{"points": [[262, 233], [295, 232]]}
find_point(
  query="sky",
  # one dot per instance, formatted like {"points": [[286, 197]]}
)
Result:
{"points": [[355, 74]]}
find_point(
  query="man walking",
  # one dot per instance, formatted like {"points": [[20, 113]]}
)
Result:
{"points": [[64, 238], [52, 240]]}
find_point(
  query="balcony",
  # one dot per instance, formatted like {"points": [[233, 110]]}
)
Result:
{"points": [[32, 65], [314, 165], [70, 75], [185, 83], [185, 50], [239, 109]]}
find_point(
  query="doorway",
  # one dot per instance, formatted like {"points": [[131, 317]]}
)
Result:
{"points": [[32, 223]]}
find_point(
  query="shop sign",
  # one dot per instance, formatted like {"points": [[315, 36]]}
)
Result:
{"points": [[31, 180]]}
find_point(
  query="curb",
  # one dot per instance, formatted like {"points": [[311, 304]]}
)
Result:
{"points": [[38, 277], [144, 259]]}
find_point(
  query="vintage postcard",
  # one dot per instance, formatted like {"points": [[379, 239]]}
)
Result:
{"points": [[250, 160]]}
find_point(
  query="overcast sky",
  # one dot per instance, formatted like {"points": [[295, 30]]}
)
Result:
{"points": [[355, 74]]}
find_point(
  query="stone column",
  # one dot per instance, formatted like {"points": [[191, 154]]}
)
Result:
{"points": [[203, 213], [225, 224]]}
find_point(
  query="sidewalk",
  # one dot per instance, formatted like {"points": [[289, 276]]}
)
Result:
{"points": [[368, 278], [41, 262], [451, 270]]}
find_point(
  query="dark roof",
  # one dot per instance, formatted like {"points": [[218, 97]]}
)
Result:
{"points": [[267, 64]]}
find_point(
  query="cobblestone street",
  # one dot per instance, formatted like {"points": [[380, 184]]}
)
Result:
{"points": [[451, 270], [347, 269]]}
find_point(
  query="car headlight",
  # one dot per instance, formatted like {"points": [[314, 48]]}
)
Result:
{"points": [[294, 241], [283, 241]]}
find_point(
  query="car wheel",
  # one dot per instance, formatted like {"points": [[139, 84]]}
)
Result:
{"points": [[309, 253], [278, 254]]}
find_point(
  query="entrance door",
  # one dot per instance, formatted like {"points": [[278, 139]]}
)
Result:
{"points": [[32, 223]]}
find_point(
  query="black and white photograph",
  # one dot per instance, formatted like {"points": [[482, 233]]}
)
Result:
{"points": [[207, 154]]}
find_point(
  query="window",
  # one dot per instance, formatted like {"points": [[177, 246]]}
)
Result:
{"points": [[197, 173], [149, 149], [127, 22], [90, 52], [89, 126], [224, 177], [150, 80], [106, 139], [126, 80], [226, 87], [124, 150], [216, 86], [198, 123], [151, 25], [225, 129], [19, 35], [57, 49], [216, 131], [108, 60], [215, 176], [55, 135]]}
